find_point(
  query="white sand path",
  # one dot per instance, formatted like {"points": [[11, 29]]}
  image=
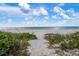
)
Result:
{"points": [[39, 46]]}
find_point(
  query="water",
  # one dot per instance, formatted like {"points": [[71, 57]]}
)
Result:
{"points": [[41, 30], [39, 46]]}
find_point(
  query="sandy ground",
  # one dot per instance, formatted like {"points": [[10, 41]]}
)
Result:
{"points": [[39, 47]]}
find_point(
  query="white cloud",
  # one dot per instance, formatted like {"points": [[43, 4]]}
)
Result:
{"points": [[77, 15], [40, 11], [39, 16], [36, 12], [61, 12], [43, 11], [30, 20], [29, 13], [58, 10], [9, 9], [66, 17], [56, 17], [61, 16], [25, 7], [70, 12], [74, 15], [9, 13]]}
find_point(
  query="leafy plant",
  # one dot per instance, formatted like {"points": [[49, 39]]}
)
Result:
{"points": [[68, 41], [54, 38], [14, 43]]}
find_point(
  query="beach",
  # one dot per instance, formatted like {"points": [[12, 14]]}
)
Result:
{"points": [[39, 47]]}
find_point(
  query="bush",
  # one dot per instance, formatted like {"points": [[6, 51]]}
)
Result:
{"points": [[54, 38], [68, 41], [14, 43], [73, 41], [64, 45]]}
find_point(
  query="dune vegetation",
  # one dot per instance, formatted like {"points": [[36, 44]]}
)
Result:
{"points": [[67, 41], [15, 44]]}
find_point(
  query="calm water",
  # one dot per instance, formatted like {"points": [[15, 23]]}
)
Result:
{"points": [[42, 30]]}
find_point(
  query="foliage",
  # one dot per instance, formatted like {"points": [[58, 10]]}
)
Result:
{"points": [[68, 41], [14, 43], [73, 41], [54, 38]]}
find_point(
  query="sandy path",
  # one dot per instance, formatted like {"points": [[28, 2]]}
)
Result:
{"points": [[39, 47]]}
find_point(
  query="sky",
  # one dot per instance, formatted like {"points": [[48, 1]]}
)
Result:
{"points": [[39, 14]]}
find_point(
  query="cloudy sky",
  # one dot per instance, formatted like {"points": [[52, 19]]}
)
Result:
{"points": [[38, 14]]}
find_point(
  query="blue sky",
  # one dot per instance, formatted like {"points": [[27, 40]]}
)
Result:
{"points": [[39, 14]]}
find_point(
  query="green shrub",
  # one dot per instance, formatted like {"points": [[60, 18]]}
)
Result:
{"points": [[73, 41], [54, 38], [14, 43], [68, 41], [64, 45]]}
